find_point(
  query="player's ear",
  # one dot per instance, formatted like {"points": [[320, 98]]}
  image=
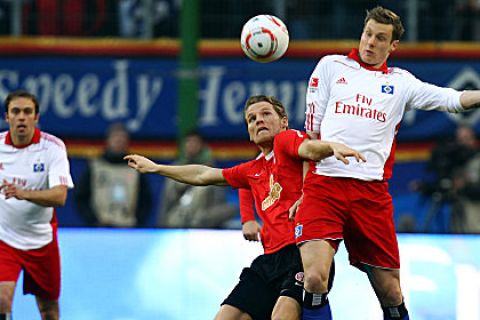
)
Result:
{"points": [[284, 123], [394, 45]]}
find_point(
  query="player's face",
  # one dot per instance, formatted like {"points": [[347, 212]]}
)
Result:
{"points": [[22, 119], [376, 43], [264, 123]]}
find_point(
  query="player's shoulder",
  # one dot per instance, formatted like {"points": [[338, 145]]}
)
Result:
{"points": [[3, 136], [396, 71], [336, 62], [49, 140], [331, 59], [289, 135]]}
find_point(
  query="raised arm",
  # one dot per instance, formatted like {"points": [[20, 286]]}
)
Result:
{"points": [[317, 150], [194, 174]]}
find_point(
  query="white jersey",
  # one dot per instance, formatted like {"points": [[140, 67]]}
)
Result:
{"points": [[41, 165], [362, 108]]}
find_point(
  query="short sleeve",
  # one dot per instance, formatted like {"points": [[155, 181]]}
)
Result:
{"points": [[237, 176], [59, 168], [288, 142]]}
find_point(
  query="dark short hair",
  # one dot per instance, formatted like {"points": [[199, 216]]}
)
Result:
{"points": [[277, 104], [21, 94], [385, 16]]}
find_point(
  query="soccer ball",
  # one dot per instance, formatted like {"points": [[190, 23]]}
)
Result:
{"points": [[264, 38]]}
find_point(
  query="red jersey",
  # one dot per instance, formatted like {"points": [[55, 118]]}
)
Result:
{"points": [[276, 183]]}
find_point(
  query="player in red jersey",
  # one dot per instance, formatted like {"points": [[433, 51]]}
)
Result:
{"points": [[357, 99], [268, 287]]}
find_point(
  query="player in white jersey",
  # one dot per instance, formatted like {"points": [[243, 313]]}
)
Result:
{"points": [[34, 178], [358, 100]]}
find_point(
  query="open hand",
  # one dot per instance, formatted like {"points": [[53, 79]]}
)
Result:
{"points": [[341, 152], [140, 163]]}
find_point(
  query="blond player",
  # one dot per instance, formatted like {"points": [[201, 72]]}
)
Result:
{"points": [[358, 100]]}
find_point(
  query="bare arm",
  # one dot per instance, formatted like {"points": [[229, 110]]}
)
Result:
{"points": [[194, 174], [470, 99], [53, 197], [317, 150]]}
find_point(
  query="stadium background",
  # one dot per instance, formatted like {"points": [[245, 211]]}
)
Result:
{"points": [[88, 78]]}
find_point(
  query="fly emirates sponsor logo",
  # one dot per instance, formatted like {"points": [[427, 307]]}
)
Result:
{"points": [[362, 107]]}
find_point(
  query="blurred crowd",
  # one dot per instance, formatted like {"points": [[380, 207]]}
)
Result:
{"points": [[427, 20], [452, 185]]}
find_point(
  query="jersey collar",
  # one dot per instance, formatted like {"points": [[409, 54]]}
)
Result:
{"points": [[35, 139], [354, 54]]}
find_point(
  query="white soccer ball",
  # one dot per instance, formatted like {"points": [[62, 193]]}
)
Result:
{"points": [[264, 38]]}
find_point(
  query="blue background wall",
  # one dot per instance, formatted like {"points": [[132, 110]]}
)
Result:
{"points": [[185, 274], [81, 96]]}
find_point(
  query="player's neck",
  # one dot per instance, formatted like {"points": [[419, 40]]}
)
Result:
{"points": [[22, 140], [266, 149]]}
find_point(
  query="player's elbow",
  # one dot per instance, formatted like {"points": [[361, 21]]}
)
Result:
{"points": [[60, 197], [314, 150], [60, 201]]}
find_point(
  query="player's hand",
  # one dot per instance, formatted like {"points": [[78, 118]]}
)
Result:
{"points": [[10, 190], [293, 209], [140, 163], [251, 230], [341, 152]]}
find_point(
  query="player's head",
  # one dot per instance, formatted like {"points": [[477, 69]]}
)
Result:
{"points": [[265, 117], [21, 94], [22, 114], [381, 35], [277, 105]]}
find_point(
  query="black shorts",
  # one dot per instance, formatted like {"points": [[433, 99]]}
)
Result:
{"points": [[268, 277]]}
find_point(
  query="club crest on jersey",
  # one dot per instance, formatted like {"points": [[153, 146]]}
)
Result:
{"points": [[298, 230], [38, 167], [273, 195], [388, 89]]}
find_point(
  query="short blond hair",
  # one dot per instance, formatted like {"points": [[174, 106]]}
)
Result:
{"points": [[277, 104]]}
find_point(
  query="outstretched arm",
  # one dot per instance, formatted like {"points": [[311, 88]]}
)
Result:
{"points": [[194, 174], [317, 150], [470, 99]]}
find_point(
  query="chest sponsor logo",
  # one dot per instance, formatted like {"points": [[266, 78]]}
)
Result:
{"points": [[273, 194], [362, 107], [38, 167], [388, 89]]}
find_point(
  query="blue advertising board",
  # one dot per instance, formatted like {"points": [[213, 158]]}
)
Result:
{"points": [[81, 96], [185, 274]]}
